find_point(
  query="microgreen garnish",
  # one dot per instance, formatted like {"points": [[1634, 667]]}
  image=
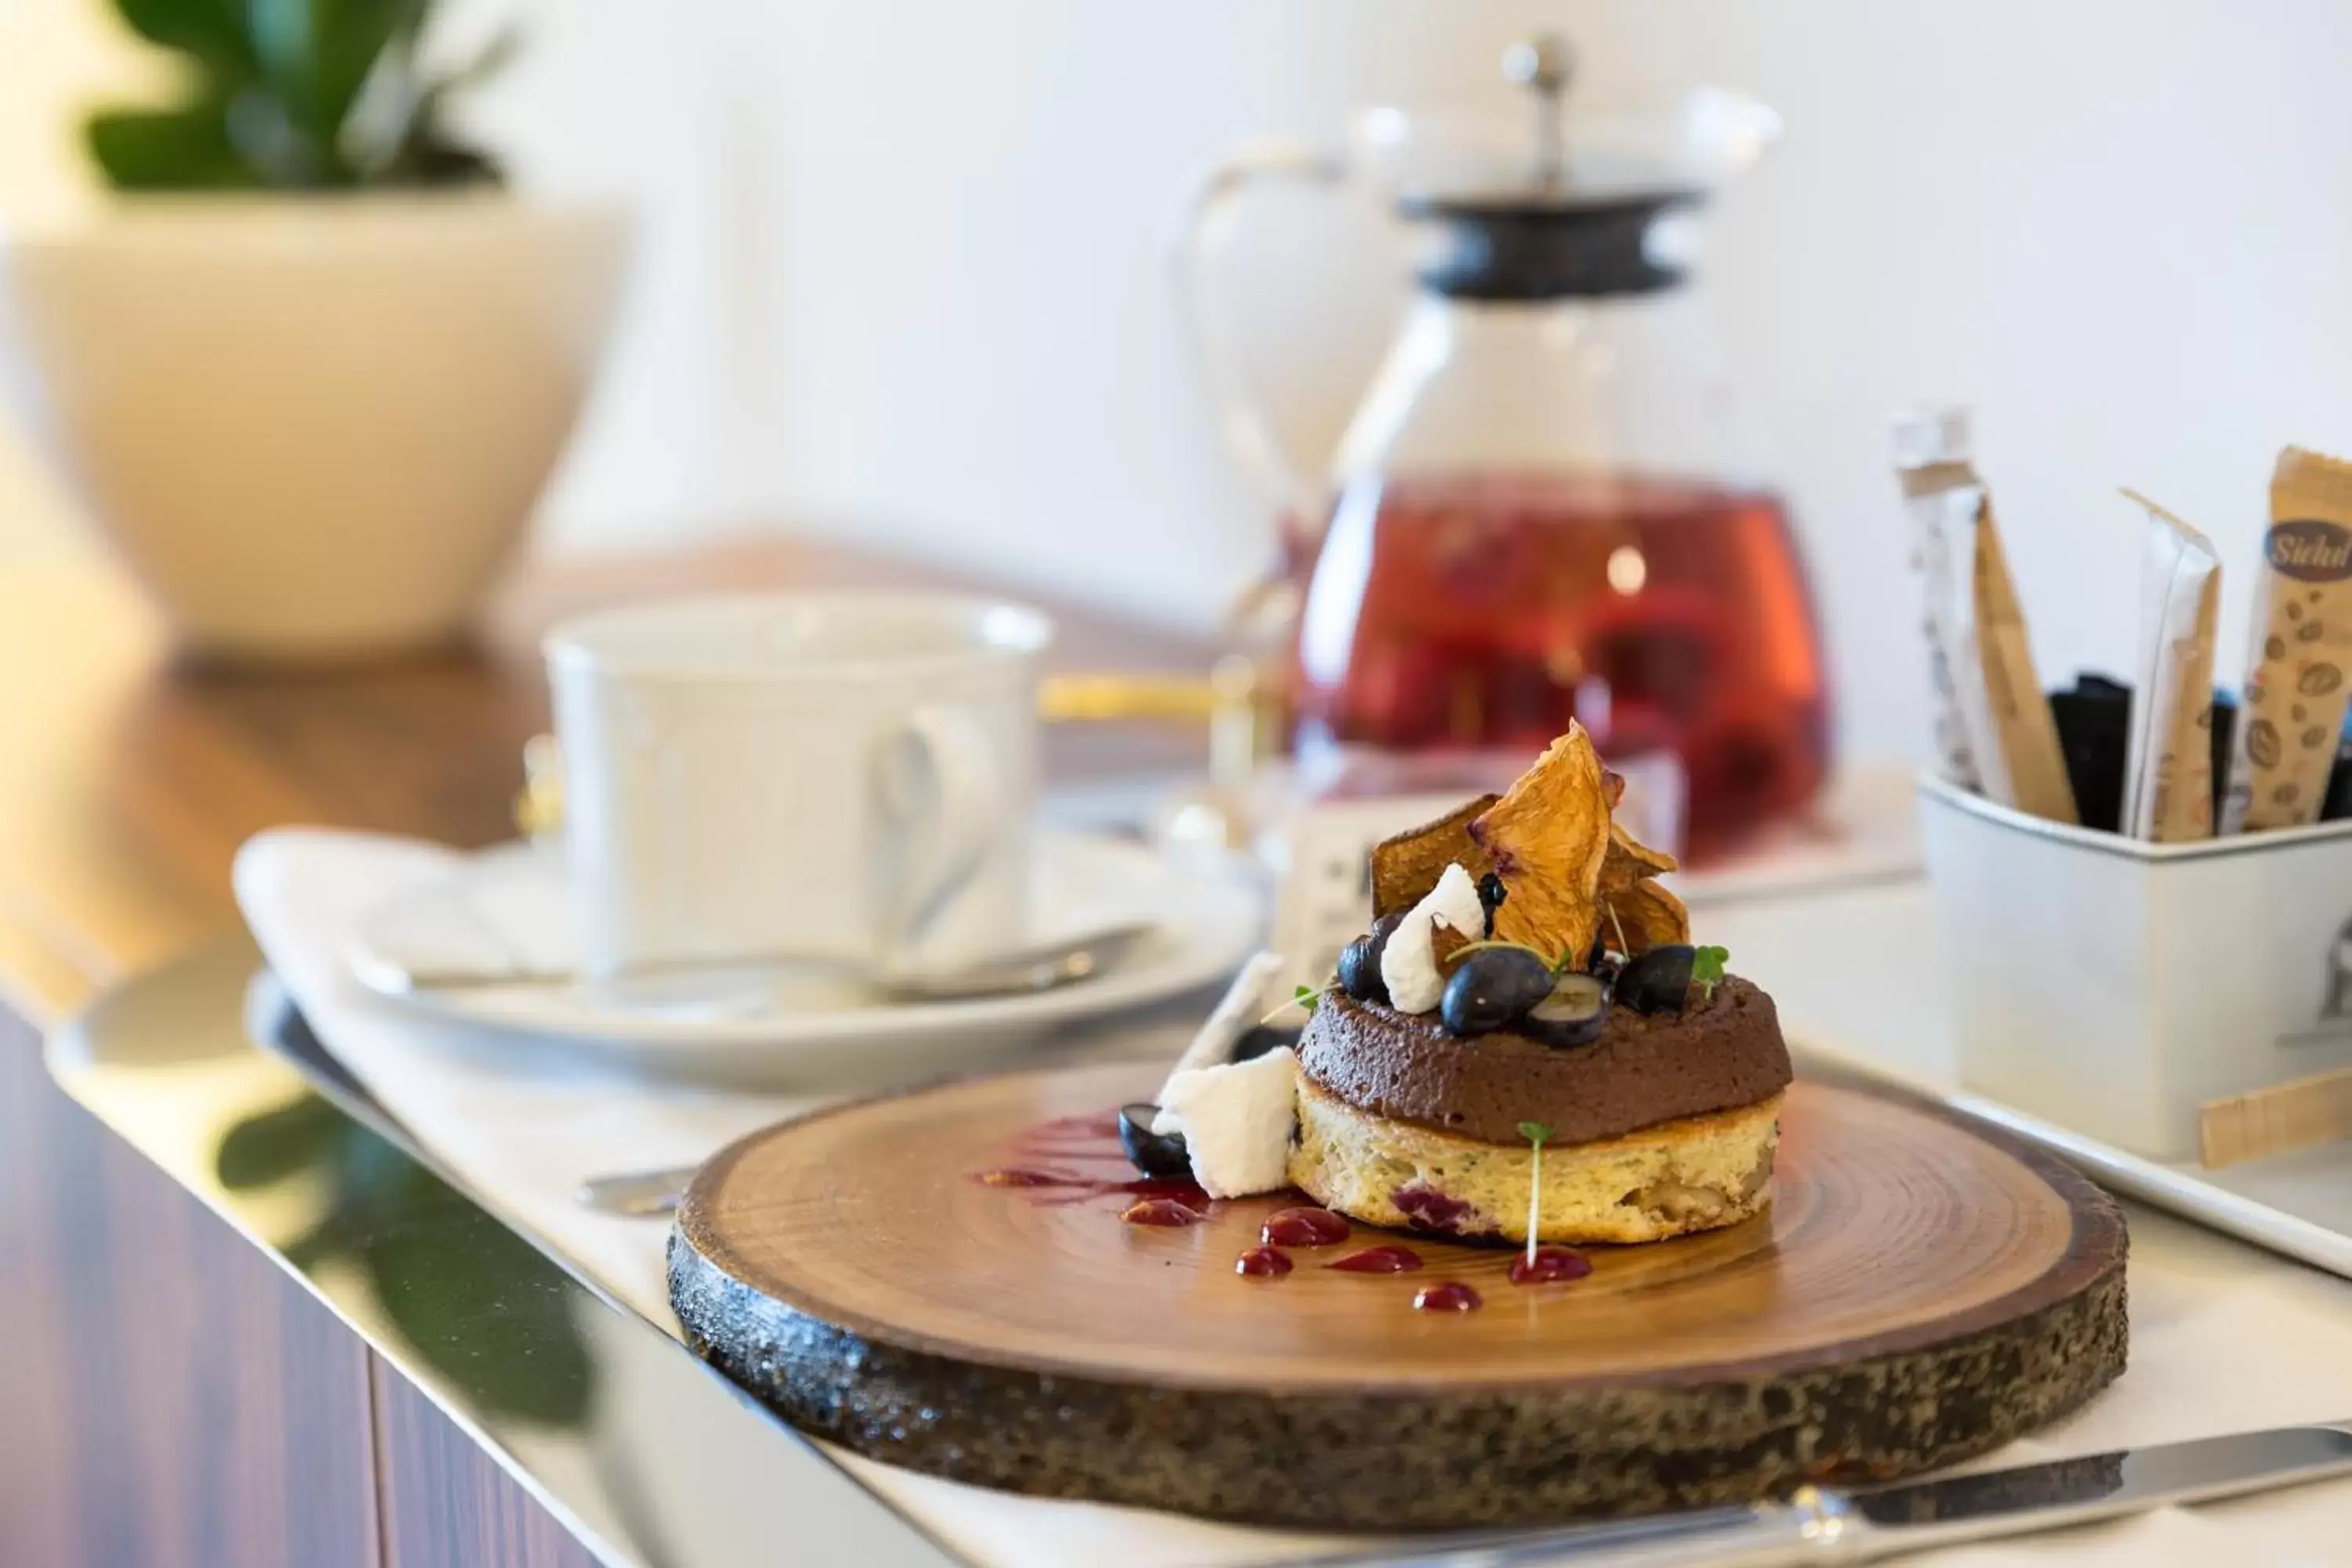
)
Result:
{"points": [[1304, 996], [1535, 1132], [1491, 944], [1560, 965], [1610, 910], [1707, 969]]}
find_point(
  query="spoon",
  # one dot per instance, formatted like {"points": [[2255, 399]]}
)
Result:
{"points": [[1040, 968]]}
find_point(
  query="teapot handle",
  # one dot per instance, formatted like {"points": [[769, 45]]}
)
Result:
{"points": [[1208, 220]]}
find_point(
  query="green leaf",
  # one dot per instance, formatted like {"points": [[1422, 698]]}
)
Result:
{"points": [[1706, 968], [295, 94], [1306, 997], [1535, 1132], [169, 149], [214, 31], [346, 42]]}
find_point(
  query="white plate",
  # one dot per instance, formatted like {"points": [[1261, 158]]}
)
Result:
{"points": [[769, 1025]]}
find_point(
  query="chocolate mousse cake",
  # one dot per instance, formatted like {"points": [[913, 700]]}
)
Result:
{"points": [[1531, 1050]]}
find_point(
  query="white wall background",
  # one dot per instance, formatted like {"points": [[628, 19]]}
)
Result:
{"points": [[903, 275]]}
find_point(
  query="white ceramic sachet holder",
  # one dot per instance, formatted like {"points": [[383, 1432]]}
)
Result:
{"points": [[2115, 986]]}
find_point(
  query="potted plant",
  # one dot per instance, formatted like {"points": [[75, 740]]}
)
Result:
{"points": [[311, 366]]}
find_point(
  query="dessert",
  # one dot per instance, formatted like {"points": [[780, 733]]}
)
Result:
{"points": [[1524, 1047], [1584, 1074]]}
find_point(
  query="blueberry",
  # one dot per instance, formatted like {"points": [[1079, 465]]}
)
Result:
{"points": [[1494, 989], [1260, 1039], [1491, 894], [1572, 1014], [1153, 1154], [1360, 961], [1658, 981]]}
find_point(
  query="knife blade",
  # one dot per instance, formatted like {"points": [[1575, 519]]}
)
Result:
{"points": [[1818, 1526]]}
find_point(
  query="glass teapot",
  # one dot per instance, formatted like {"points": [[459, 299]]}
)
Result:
{"points": [[1545, 507]]}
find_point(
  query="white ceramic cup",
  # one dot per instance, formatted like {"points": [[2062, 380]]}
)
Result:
{"points": [[843, 776]]}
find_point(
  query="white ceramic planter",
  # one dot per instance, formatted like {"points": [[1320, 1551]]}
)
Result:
{"points": [[314, 426], [2115, 986]]}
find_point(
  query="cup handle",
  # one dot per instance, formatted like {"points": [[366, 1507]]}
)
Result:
{"points": [[939, 795]]}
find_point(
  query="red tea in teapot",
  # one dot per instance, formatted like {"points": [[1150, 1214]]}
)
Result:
{"points": [[1487, 610]]}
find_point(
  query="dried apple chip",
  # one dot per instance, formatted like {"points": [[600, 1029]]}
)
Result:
{"points": [[1546, 839], [1647, 916], [1405, 866], [1629, 860]]}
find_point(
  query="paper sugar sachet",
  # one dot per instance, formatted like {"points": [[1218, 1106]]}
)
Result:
{"points": [[1993, 728], [2168, 768], [2294, 703]]}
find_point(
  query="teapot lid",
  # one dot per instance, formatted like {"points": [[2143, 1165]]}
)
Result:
{"points": [[1542, 219]]}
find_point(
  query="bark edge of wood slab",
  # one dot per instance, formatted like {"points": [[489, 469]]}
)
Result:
{"points": [[1151, 1387]]}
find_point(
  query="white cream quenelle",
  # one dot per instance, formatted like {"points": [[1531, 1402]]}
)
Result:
{"points": [[1235, 1117], [2168, 768], [1993, 728], [1237, 1121]]}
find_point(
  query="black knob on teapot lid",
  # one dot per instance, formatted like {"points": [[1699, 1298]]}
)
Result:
{"points": [[1545, 230]]}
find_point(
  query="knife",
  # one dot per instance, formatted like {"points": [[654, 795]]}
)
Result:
{"points": [[1818, 1526]]}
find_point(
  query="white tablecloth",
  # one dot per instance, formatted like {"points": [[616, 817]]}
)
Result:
{"points": [[2223, 1337]]}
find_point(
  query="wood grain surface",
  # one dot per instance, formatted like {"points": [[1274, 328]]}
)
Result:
{"points": [[1918, 1294], [173, 1398]]}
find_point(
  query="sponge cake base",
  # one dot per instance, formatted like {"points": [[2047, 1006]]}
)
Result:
{"points": [[1700, 1173]]}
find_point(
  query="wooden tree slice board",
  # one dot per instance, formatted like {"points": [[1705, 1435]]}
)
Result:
{"points": [[1919, 1293]]}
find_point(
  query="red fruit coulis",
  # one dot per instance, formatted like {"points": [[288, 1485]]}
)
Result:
{"points": [[1161, 1211], [1071, 1187], [1380, 1261], [1303, 1227], [1262, 1263], [1549, 1265], [1451, 1296]]}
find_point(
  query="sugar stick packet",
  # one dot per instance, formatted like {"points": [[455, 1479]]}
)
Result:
{"points": [[2168, 768], [1993, 729], [2295, 692]]}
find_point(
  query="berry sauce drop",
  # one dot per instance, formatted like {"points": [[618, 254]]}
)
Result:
{"points": [[1380, 1261], [1452, 1296], [1262, 1263], [1161, 1211], [1548, 1266], [1073, 1188], [1303, 1227]]}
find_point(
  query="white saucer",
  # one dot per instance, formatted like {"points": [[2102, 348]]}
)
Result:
{"points": [[771, 1024]]}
